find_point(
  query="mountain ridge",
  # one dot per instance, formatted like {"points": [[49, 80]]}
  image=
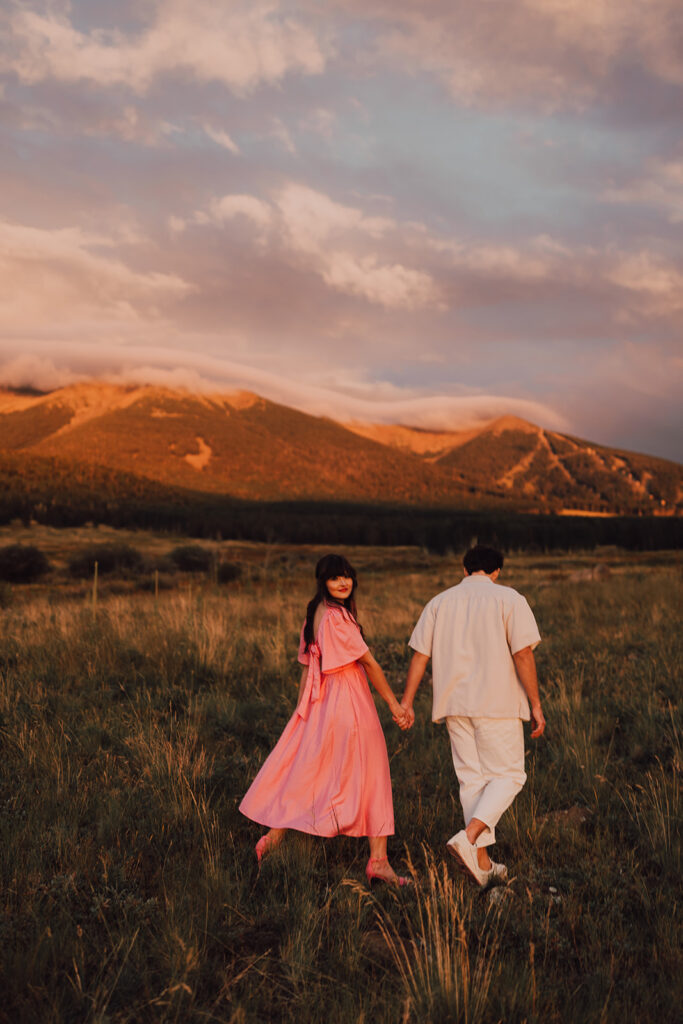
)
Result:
{"points": [[243, 445]]}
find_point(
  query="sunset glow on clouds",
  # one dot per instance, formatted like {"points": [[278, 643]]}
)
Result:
{"points": [[424, 212]]}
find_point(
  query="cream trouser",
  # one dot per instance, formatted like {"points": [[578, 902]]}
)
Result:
{"points": [[488, 755]]}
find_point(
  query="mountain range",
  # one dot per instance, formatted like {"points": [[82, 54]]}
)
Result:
{"points": [[245, 446]]}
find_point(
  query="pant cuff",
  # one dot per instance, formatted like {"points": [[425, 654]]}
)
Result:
{"points": [[487, 837]]}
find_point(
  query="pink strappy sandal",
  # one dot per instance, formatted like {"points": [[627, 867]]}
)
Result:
{"points": [[265, 845], [373, 877]]}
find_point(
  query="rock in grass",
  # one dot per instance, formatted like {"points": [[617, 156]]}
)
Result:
{"points": [[499, 894], [569, 818]]}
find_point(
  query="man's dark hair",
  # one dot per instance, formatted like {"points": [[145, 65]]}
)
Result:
{"points": [[482, 557]]}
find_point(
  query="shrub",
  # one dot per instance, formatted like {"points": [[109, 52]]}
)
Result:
{"points": [[150, 584], [109, 557], [22, 563], [192, 558], [160, 563], [226, 572]]}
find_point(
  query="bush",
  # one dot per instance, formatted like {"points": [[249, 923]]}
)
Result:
{"points": [[226, 572], [160, 563], [109, 557], [22, 563], [192, 558], [149, 585]]}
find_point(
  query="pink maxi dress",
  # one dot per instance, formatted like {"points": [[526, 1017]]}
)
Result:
{"points": [[328, 774]]}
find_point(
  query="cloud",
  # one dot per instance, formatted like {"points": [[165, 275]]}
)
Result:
{"points": [[406, 267], [227, 207], [391, 285], [337, 242], [200, 373], [237, 44], [63, 111], [332, 233], [660, 187], [221, 138], [312, 218], [536, 260], [35, 371], [70, 280], [552, 54], [639, 281], [657, 284]]}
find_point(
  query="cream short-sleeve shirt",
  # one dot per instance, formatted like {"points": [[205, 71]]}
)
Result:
{"points": [[471, 632]]}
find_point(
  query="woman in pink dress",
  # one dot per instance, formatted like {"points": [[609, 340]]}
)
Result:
{"points": [[328, 774]]}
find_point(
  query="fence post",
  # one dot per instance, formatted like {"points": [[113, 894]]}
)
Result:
{"points": [[94, 589]]}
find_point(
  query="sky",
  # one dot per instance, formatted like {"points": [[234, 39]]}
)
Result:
{"points": [[429, 212]]}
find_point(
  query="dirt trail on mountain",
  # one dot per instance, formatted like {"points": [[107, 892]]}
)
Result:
{"points": [[508, 479], [542, 444], [555, 462]]}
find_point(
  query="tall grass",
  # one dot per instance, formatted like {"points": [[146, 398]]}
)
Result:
{"points": [[447, 960], [130, 891]]}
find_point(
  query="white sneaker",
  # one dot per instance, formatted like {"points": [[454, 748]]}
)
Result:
{"points": [[466, 855]]}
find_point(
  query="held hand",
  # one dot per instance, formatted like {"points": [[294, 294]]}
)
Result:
{"points": [[408, 708], [401, 718], [538, 720]]}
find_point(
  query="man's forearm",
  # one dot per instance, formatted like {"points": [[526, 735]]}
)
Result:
{"points": [[525, 663], [416, 671]]}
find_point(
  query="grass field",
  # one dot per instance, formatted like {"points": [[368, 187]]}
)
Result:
{"points": [[131, 731]]}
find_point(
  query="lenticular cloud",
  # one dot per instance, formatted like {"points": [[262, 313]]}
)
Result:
{"points": [[198, 373]]}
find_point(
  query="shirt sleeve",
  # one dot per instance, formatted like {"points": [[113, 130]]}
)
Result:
{"points": [[341, 641], [521, 627], [423, 634], [303, 656]]}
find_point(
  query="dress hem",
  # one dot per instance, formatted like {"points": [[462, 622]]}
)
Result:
{"points": [[320, 835]]}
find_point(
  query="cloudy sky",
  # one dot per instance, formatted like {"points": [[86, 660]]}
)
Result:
{"points": [[426, 211]]}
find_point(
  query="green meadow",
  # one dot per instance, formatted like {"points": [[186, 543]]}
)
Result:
{"points": [[131, 725]]}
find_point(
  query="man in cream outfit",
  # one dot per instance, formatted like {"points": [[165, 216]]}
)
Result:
{"points": [[480, 636]]}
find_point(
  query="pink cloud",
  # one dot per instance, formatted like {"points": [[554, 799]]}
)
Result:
{"points": [[551, 53], [200, 373], [70, 278], [221, 138], [332, 240], [405, 266], [655, 283], [239, 45], [660, 186]]}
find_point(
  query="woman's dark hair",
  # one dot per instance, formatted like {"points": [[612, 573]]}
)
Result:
{"points": [[482, 557], [328, 568]]}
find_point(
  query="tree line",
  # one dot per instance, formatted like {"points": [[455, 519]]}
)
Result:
{"points": [[438, 530]]}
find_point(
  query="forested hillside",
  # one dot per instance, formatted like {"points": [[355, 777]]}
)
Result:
{"points": [[242, 446]]}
